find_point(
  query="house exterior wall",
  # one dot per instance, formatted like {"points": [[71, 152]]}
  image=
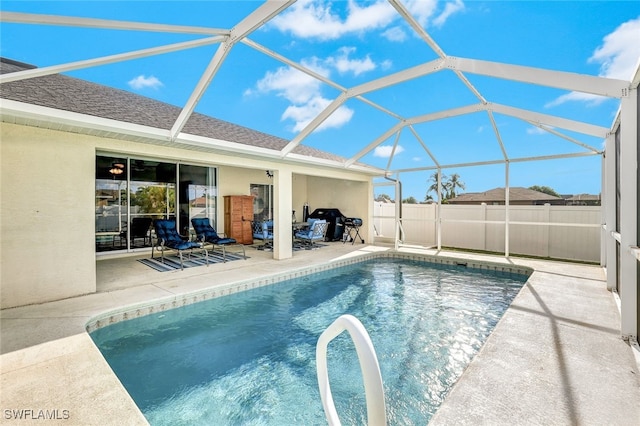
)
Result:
{"points": [[47, 249], [299, 195], [236, 181], [47, 244]]}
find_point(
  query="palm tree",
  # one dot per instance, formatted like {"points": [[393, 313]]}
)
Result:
{"points": [[454, 183], [434, 186], [449, 186]]}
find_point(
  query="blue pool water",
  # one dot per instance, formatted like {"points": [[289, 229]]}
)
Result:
{"points": [[249, 358]]}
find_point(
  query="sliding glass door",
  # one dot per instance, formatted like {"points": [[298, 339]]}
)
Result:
{"points": [[132, 192], [198, 195]]}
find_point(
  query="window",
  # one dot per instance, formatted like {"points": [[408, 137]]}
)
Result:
{"points": [[262, 201]]}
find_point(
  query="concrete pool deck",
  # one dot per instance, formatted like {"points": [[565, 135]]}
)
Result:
{"points": [[556, 357]]}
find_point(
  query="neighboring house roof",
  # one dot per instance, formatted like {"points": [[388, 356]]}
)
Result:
{"points": [[498, 195], [583, 197], [199, 202], [84, 97]]}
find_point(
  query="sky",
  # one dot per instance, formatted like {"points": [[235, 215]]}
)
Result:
{"points": [[352, 42]]}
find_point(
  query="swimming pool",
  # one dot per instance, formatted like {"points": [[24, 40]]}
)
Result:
{"points": [[249, 357]]}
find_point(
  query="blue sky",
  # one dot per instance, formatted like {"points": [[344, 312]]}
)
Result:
{"points": [[351, 43]]}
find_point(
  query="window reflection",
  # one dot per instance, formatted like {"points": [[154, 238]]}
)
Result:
{"points": [[111, 205], [197, 196], [131, 192], [262, 201]]}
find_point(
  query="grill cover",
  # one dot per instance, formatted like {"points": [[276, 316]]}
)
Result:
{"points": [[335, 219]]}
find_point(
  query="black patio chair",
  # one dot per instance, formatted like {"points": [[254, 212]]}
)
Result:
{"points": [[140, 228]]}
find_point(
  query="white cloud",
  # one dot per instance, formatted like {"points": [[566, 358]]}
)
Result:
{"points": [[620, 51], [303, 114], [304, 92], [395, 34], [317, 19], [384, 151], [587, 98], [291, 84], [449, 9], [344, 64], [142, 82], [421, 10], [424, 11], [312, 18], [618, 57]]}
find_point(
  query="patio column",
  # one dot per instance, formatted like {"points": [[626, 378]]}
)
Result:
{"points": [[282, 215], [629, 215], [609, 211], [439, 211], [506, 208]]}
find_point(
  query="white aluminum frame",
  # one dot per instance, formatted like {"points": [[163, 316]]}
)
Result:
{"points": [[626, 91]]}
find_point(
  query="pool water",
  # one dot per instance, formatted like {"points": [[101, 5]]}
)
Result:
{"points": [[249, 358]]}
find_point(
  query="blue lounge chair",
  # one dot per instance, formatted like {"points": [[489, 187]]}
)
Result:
{"points": [[206, 234], [168, 239], [314, 233]]}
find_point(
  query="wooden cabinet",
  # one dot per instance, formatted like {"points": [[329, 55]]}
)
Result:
{"points": [[238, 214]]}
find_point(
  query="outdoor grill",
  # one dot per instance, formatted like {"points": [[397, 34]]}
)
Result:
{"points": [[334, 218], [353, 221], [352, 226]]}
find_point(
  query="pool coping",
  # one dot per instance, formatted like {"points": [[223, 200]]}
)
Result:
{"points": [[179, 300]]}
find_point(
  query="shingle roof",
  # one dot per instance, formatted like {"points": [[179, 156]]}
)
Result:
{"points": [[584, 197], [498, 195], [84, 97]]}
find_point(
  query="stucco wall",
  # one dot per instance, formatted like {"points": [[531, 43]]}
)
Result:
{"points": [[299, 195], [237, 181], [47, 227], [353, 199]]}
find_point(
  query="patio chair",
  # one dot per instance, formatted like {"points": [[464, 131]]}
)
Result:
{"points": [[314, 233], [140, 228], [263, 230], [206, 234], [168, 239]]}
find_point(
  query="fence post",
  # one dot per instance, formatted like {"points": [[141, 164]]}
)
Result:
{"points": [[546, 229], [484, 226]]}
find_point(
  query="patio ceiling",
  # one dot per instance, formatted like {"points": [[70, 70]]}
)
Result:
{"points": [[370, 93]]}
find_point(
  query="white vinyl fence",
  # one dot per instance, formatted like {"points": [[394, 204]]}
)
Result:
{"points": [[559, 232]]}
